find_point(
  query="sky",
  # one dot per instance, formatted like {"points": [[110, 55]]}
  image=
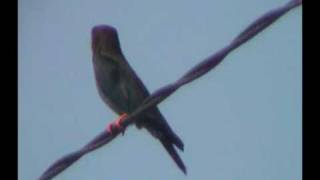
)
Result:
{"points": [[240, 121]]}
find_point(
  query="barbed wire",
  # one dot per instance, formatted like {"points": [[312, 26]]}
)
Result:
{"points": [[158, 96]]}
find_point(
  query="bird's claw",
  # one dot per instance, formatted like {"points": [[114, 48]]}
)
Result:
{"points": [[117, 124]]}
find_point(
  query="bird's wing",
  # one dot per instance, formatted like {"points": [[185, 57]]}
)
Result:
{"points": [[153, 119]]}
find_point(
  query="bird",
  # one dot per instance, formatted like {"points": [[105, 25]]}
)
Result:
{"points": [[123, 91]]}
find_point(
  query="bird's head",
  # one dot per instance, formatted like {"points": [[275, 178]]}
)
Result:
{"points": [[105, 40]]}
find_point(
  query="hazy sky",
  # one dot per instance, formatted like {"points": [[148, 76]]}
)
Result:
{"points": [[241, 121]]}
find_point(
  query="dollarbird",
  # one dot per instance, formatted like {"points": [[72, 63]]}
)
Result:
{"points": [[123, 91]]}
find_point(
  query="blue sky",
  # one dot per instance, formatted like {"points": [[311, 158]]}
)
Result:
{"points": [[240, 121]]}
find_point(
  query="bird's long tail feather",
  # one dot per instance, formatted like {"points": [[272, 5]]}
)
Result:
{"points": [[177, 141], [173, 153]]}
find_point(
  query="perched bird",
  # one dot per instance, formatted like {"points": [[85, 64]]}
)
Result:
{"points": [[122, 90]]}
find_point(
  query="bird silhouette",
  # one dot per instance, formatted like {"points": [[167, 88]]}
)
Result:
{"points": [[123, 91]]}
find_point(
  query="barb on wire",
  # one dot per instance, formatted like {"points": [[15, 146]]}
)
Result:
{"points": [[162, 93]]}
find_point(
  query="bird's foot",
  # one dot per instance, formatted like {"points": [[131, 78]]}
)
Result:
{"points": [[117, 124]]}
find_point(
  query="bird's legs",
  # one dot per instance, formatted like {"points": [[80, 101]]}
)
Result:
{"points": [[117, 123]]}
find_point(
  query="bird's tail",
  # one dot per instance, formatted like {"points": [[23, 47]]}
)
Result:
{"points": [[176, 140], [168, 145], [161, 130]]}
